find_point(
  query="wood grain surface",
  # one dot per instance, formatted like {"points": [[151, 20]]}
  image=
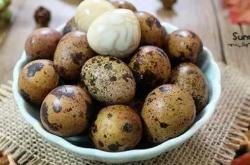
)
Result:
{"points": [[207, 18]]}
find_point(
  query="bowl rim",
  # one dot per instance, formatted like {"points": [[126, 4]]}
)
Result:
{"points": [[124, 156]]}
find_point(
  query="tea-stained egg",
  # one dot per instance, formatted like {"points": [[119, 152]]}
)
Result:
{"points": [[89, 10], [115, 33]]}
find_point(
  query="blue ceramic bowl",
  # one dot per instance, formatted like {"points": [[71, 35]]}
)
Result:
{"points": [[31, 115]]}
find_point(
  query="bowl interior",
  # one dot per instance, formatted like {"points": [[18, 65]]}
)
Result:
{"points": [[83, 146]]}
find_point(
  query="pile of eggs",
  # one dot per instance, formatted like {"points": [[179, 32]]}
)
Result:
{"points": [[114, 74]]}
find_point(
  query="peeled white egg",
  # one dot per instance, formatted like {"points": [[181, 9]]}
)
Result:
{"points": [[115, 33], [89, 10]]}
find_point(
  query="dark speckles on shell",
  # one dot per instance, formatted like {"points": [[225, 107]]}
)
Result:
{"points": [[136, 66], [113, 147], [109, 115], [63, 91], [157, 23], [44, 115], [150, 21], [100, 143], [108, 66], [127, 127], [33, 68], [77, 58], [113, 78], [163, 125], [81, 114], [179, 99]]}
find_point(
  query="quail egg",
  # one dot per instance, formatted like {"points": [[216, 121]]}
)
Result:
{"points": [[108, 80], [71, 53], [150, 66], [115, 33], [152, 32], [190, 78], [37, 79], [121, 4], [65, 110], [117, 128], [41, 44], [89, 10], [168, 111], [184, 45]]}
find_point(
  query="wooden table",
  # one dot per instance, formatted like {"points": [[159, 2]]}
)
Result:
{"points": [[206, 18]]}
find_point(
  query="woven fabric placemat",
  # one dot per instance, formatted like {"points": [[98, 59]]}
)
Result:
{"points": [[215, 143]]}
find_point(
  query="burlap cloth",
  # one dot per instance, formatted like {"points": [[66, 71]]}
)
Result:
{"points": [[215, 143]]}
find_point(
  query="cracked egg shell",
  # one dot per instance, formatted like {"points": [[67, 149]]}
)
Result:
{"points": [[108, 80], [183, 46], [89, 10], [121, 4], [41, 44], [115, 33], [190, 78], [168, 111], [71, 53], [37, 79], [151, 67], [152, 32], [65, 110], [117, 128]]}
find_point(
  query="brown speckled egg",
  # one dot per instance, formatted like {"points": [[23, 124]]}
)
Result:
{"points": [[70, 26], [168, 111], [37, 79], [150, 66], [117, 128], [41, 44], [184, 45], [71, 53], [65, 110], [152, 32], [121, 4], [108, 80], [190, 78]]}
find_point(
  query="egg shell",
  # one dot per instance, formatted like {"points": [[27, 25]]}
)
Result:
{"points": [[71, 53], [168, 111], [121, 4], [70, 26], [89, 10], [37, 79], [108, 80], [152, 32], [117, 128], [183, 46], [190, 78], [41, 44], [150, 66], [115, 33], [65, 110]]}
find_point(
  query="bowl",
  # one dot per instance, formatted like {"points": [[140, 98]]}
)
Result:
{"points": [[31, 114]]}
